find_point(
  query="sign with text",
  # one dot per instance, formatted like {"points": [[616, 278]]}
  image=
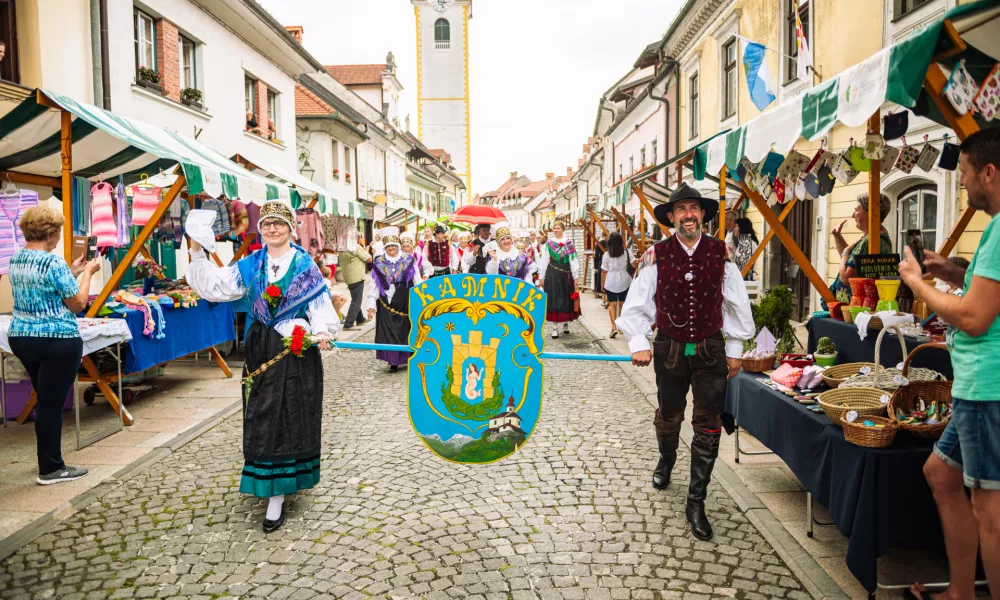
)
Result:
{"points": [[877, 266]]}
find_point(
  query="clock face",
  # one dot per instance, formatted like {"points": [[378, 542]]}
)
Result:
{"points": [[441, 5]]}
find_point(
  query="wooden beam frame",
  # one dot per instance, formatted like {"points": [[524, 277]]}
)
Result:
{"points": [[722, 203], [597, 220], [786, 239], [643, 201], [623, 224], [767, 237], [66, 143], [875, 192], [29, 179]]}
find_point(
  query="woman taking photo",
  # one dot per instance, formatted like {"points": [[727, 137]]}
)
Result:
{"points": [[558, 269], [43, 333], [615, 279], [283, 404], [745, 242]]}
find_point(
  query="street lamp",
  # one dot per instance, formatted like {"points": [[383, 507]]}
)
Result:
{"points": [[307, 170]]}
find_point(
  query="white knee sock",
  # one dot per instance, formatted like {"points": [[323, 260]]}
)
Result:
{"points": [[274, 508]]}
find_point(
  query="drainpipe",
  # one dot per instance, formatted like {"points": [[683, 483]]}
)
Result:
{"points": [[666, 105], [105, 56], [95, 50]]}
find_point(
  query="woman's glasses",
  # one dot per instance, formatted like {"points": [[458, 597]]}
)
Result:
{"points": [[273, 225]]}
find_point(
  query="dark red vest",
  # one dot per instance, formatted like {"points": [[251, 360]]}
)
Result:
{"points": [[439, 253], [689, 307]]}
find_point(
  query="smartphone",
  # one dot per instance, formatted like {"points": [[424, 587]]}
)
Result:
{"points": [[86, 246], [916, 244]]}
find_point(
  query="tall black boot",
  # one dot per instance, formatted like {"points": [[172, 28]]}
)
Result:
{"points": [[704, 451], [668, 456]]}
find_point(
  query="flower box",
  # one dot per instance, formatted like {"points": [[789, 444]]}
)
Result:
{"points": [[149, 85]]}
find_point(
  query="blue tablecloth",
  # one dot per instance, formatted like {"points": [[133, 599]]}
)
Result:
{"points": [[188, 330], [851, 348]]}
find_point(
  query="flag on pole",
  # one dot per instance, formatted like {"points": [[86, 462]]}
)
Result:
{"points": [[805, 59], [760, 83]]}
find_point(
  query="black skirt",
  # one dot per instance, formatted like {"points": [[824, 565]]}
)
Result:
{"points": [[559, 287], [282, 417], [392, 326]]}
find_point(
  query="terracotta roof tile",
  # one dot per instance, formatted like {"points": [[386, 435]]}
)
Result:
{"points": [[357, 74], [308, 104]]}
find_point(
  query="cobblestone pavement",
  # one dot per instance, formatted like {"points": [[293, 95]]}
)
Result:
{"points": [[571, 515]]}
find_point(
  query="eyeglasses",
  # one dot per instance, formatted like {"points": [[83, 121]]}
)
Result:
{"points": [[273, 225]]}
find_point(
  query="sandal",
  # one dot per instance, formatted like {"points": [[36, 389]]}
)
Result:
{"points": [[613, 334], [924, 595]]}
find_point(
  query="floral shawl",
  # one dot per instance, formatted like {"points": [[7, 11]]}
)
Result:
{"points": [[386, 273], [306, 285], [561, 251], [514, 267]]}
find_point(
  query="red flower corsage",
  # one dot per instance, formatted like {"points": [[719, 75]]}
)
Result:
{"points": [[299, 341], [273, 295]]}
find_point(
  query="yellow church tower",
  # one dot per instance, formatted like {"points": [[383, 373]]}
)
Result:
{"points": [[443, 79]]}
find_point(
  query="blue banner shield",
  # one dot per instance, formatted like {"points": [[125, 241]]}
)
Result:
{"points": [[475, 377]]}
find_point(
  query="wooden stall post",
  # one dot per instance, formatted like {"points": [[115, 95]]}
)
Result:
{"points": [[875, 192], [767, 237], [722, 203], [66, 143], [645, 202], [597, 220], [622, 223]]}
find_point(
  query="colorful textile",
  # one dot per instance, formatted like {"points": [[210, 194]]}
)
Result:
{"points": [[976, 360], [145, 199], [265, 479], [123, 218], [514, 267], [104, 226], [253, 216], [81, 205], [221, 226], [240, 221], [12, 206], [40, 282], [309, 230], [386, 272], [306, 285], [561, 252]]}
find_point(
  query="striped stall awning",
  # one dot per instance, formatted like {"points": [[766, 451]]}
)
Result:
{"points": [[655, 193], [108, 145], [304, 189]]}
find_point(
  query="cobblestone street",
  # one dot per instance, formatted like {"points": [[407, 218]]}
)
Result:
{"points": [[571, 515]]}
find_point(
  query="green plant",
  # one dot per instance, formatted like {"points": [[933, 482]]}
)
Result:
{"points": [[825, 346], [191, 94], [150, 75], [774, 311]]}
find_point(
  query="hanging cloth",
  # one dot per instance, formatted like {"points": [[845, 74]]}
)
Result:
{"points": [[123, 220], [81, 205], [12, 206], [144, 203], [104, 226]]}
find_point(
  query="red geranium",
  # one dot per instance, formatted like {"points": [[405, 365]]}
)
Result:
{"points": [[296, 346], [574, 295], [298, 342], [273, 295]]}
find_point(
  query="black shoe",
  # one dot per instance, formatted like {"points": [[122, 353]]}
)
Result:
{"points": [[704, 451], [361, 321], [668, 456], [393, 368], [275, 525]]}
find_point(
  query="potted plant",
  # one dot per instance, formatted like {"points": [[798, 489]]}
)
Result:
{"points": [[149, 272], [347, 177], [774, 311], [191, 97], [149, 78], [826, 352], [336, 173]]}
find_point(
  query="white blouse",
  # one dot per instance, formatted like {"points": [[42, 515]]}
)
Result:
{"points": [[617, 280], [224, 284], [543, 259], [372, 297]]}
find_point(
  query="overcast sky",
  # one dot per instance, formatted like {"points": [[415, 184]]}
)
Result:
{"points": [[537, 67]]}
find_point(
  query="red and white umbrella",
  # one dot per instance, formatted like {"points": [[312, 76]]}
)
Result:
{"points": [[477, 214]]}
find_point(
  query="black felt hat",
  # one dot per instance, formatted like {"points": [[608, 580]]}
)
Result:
{"points": [[685, 192]]}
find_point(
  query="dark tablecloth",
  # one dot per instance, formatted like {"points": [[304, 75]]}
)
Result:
{"points": [[188, 330], [850, 348], [878, 498]]}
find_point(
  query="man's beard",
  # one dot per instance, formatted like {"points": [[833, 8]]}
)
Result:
{"points": [[689, 235], [977, 199]]}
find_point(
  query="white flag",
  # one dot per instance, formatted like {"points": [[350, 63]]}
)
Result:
{"points": [[805, 58]]}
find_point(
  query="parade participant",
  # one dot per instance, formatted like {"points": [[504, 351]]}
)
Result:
{"points": [[558, 269], [508, 260], [428, 236], [423, 267], [378, 248], [393, 274], [463, 249], [700, 307], [439, 253], [475, 258], [614, 277], [283, 410]]}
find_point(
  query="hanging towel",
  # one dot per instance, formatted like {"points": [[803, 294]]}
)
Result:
{"points": [[221, 226], [144, 203], [105, 229], [81, 205], [123, 220], [12, 206]]}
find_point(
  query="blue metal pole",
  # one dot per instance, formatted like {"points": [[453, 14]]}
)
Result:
{"points": [[552, 355]]}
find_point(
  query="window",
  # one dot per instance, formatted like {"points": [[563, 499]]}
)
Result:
{"points": [[9, 64], [347, 159], [621, 172], [901, 7], [642, 156], [145, 41], [918, 210], [336, 156], [442, 34], [272, 107], [189, 70], [631, 165], [730, 79], [657, 176], [791, 42], [250, 94], [693, 106]]}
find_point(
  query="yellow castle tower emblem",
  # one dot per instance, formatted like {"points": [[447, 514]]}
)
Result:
{"points": [[474, 349]]}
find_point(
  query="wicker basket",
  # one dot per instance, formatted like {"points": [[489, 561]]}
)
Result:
{"points": [[905, 397], [866, 401], [884, 378], [834, 376], [759, 365], [870, 437]]}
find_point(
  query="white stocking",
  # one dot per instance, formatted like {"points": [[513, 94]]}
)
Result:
{"points": [[274, 508]]}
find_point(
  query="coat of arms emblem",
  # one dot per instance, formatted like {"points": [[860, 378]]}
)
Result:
{"points": [[475, 377]]}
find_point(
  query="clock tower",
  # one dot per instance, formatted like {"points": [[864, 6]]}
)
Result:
{"points": [[443, 79]]}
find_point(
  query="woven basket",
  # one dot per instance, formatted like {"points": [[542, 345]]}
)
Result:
{"points": [[875, 324], [905, 397], [834, 376], [759, 365], [864, 400], [870, 437], [885, 378]]}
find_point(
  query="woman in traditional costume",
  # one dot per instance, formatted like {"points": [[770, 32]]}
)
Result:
{"points": [[558, 270], [393, 274], [425, 268], [508, 260], [283, 403]]}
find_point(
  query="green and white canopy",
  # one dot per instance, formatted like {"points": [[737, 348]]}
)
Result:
{"points": [[303, 190], [895, 74], [108, 145]]}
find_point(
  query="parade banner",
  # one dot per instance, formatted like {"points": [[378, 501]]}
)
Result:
{"points": [[475, 377]]}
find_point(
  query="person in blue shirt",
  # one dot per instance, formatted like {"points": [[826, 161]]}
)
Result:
{"points": [[43, 333]]}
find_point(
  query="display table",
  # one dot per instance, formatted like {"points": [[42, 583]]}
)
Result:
{"points": [[850, 348], [188, 330], [878, 498]]}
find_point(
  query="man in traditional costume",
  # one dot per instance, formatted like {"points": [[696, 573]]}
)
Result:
{"points": [[508, 260], [393, 274], [439, 253], [698, 302], [283, 403], [475, 257], [558, 269]]}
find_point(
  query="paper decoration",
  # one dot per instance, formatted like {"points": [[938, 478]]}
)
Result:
{"points": [[987, 100], [765, 340], [843, 170], [889, 158], [874, 146], [907, 159], [928, 156], [794, 164], [961, 89]]}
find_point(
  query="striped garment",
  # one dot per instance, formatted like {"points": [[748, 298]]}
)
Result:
{"points": [[103, 227], [40, 282], [12, 206], [144, 202]]}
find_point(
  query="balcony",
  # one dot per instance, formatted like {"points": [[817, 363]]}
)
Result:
{"points": [[442, 44]]}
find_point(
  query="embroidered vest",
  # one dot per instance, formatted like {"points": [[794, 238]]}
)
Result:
{"points": [[439, 254], [689, 309], [479, 266]]}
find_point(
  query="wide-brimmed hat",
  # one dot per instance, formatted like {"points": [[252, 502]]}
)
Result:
{"points": [[685, 192]]}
